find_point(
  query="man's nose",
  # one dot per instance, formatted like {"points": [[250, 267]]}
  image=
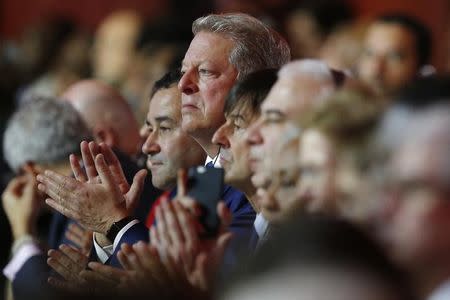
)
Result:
{"points": [[188, 82], [221, 138], [150, 146]]}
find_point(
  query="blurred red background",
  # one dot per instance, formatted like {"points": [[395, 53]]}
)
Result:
{"points": [[15, 15]]}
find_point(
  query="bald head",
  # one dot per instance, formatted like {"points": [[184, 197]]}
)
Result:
{"points": [[106, 113]]}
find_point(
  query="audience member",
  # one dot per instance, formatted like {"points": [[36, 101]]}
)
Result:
{"points": [[396, 47]]}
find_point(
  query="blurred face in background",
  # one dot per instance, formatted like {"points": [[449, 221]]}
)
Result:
{"points": [[277, 196], [389, 59], [316, 159], [288, 98], [416, 208], [114, 46]]}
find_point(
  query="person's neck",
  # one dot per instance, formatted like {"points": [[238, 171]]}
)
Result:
{"points": [[429, 278], [211, 149]]}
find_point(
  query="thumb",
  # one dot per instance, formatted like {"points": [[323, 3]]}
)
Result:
{"points": [[133, 195]]}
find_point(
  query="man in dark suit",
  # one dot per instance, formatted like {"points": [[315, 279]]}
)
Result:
{"points": [[168, 149], [203, 91]]}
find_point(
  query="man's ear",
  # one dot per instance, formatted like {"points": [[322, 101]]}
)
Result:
{"points": [[105, 135]]}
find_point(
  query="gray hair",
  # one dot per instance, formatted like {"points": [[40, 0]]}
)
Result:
{"points": [[314, 69], [257, 46], [44, 131]]}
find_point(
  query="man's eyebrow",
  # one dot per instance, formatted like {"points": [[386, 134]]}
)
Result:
{"points": [[237, 117], [161, 119], [274, 112]]}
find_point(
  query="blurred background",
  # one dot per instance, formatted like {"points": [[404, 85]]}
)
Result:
{"points": [[46, 45]]}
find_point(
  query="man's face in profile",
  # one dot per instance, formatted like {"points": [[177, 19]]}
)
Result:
{"points": [[234, 150], [208, 75], [167, 146], [389, 59]]}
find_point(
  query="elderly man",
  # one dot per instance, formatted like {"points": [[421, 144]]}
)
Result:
{"points": [[168, 149], [31, 145], [107, 114], [395, 49], [224, 48], [415, 216], [301, 85]]}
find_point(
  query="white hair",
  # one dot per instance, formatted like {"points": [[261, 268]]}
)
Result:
{"points": [[43, 130], [257, 46]]}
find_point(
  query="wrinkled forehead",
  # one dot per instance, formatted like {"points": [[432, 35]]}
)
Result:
{"points": [[208, 47]]}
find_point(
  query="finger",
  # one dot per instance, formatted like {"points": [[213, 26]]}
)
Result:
{"points": [[104, 172], [94, 148], [62, 285], [115, 167], [74, 255], [123, 254], [111, 273], [133, 195], [88, 161], [181, 183], [144, 255], [62, 265], [74, 238], [161, 227], [187, 225], [16, 185], [97, 279], [224, 214], [62, 209], [59, 185], [76, 169], [79, 231], [222, 243]]}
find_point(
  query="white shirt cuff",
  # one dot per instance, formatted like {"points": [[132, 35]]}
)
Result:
{"points": [[103, 253], [24, 253]]}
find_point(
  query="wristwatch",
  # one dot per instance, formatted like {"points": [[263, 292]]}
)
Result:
{"points": [[116, 227]]}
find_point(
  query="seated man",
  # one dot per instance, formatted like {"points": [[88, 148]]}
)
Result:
{"points": [[395, 50], [31, 145], [414, 216], [301, 85], [165, 146]]}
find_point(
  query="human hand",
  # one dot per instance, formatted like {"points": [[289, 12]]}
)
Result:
{"points": [[152, 275], [88, 152], [176, 235], [95, 206], [22, 204], [81, 237], [67, 262]]}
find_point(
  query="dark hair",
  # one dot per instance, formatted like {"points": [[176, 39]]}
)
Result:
{"points": [[166, 81], [250, 90], [421, 33], [327, 14], [424, 92]]}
